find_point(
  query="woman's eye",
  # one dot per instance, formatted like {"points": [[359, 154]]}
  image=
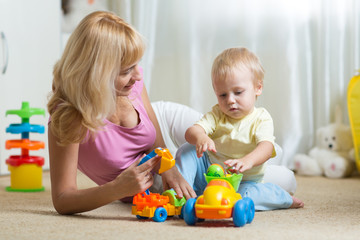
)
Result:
{"points": [[129, 70], [126, 72]]}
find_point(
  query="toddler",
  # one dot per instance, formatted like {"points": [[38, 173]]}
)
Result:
{"points": [[235, 134]]}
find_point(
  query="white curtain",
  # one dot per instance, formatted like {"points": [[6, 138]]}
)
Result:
{"points": [[309, 49]]}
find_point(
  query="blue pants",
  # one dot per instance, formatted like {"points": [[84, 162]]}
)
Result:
{"points": [[266, 196]]}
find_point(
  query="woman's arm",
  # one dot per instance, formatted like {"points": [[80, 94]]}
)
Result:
{"points": [[68, 199], [171, 178]]}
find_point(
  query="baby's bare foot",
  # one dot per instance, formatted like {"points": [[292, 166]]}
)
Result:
{"points": [[297, 203]]}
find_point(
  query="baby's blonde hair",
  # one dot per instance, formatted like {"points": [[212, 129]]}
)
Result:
{"points": [[84, 78], [240, 58]]}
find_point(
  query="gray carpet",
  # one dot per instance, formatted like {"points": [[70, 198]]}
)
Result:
{"points": [[332, 211]]}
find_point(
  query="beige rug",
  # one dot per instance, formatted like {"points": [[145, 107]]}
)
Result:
{"points": [[332, 211]]}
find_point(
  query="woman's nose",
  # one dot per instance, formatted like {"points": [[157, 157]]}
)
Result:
{"points": [[137, 73]]}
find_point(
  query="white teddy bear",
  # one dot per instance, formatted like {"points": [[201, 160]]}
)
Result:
{"points": [[333, 155]]}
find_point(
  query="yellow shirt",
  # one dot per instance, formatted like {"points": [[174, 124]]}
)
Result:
{"points": [[235, 138]]}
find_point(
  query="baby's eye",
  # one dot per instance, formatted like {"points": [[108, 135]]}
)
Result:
{"points": [[238, 92], [223, 95]]}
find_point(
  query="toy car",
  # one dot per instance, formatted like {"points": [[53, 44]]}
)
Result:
{"points": [[156, 206], [153, 205], [219, 201]]}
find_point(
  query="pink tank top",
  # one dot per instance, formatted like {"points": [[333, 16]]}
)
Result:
{"points": [[116, 147]]}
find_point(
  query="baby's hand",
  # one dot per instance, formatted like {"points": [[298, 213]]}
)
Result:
{"points": [[238, 165], [203, 145]]}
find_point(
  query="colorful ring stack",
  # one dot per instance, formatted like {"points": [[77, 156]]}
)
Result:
{"points": [[25, 170]]}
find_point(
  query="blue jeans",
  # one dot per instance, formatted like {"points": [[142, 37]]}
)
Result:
{"points": [[266, 196]]}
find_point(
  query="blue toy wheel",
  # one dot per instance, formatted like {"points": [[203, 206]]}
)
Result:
{"points": [[160, 215], [182, 212], [189, 212], [141, 217], [250, 209], [239, 213]]}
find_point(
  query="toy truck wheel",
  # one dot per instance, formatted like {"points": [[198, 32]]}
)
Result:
{"points": [[189, 212], [250, 208], [239, 213], [182, 212], [141, 217], [160, 214]]}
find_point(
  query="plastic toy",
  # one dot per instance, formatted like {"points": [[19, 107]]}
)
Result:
{"points": [[153, 205], [156, 206], [26, 170], [353, 101], [215, 170], [219, 201], [167, 160]]}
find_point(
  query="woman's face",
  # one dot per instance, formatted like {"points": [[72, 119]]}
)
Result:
{"points": [[126, 79]]}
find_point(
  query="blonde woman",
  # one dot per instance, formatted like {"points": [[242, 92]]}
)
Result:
{"points": [[102, 122]]}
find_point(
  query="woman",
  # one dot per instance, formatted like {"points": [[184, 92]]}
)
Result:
{"points": [[101, 120]]}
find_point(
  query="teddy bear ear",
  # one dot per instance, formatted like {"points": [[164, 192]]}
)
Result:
{"points": [[338, 114]]}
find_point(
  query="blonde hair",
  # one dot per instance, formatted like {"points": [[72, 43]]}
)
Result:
{"points": [[84, 78], [240, 58]]}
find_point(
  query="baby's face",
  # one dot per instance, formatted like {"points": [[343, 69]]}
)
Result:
{"points": [[237, 93]]}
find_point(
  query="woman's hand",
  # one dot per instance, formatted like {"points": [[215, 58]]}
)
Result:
{"points": [[136, 179], [68, 199], [173, 179]]}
